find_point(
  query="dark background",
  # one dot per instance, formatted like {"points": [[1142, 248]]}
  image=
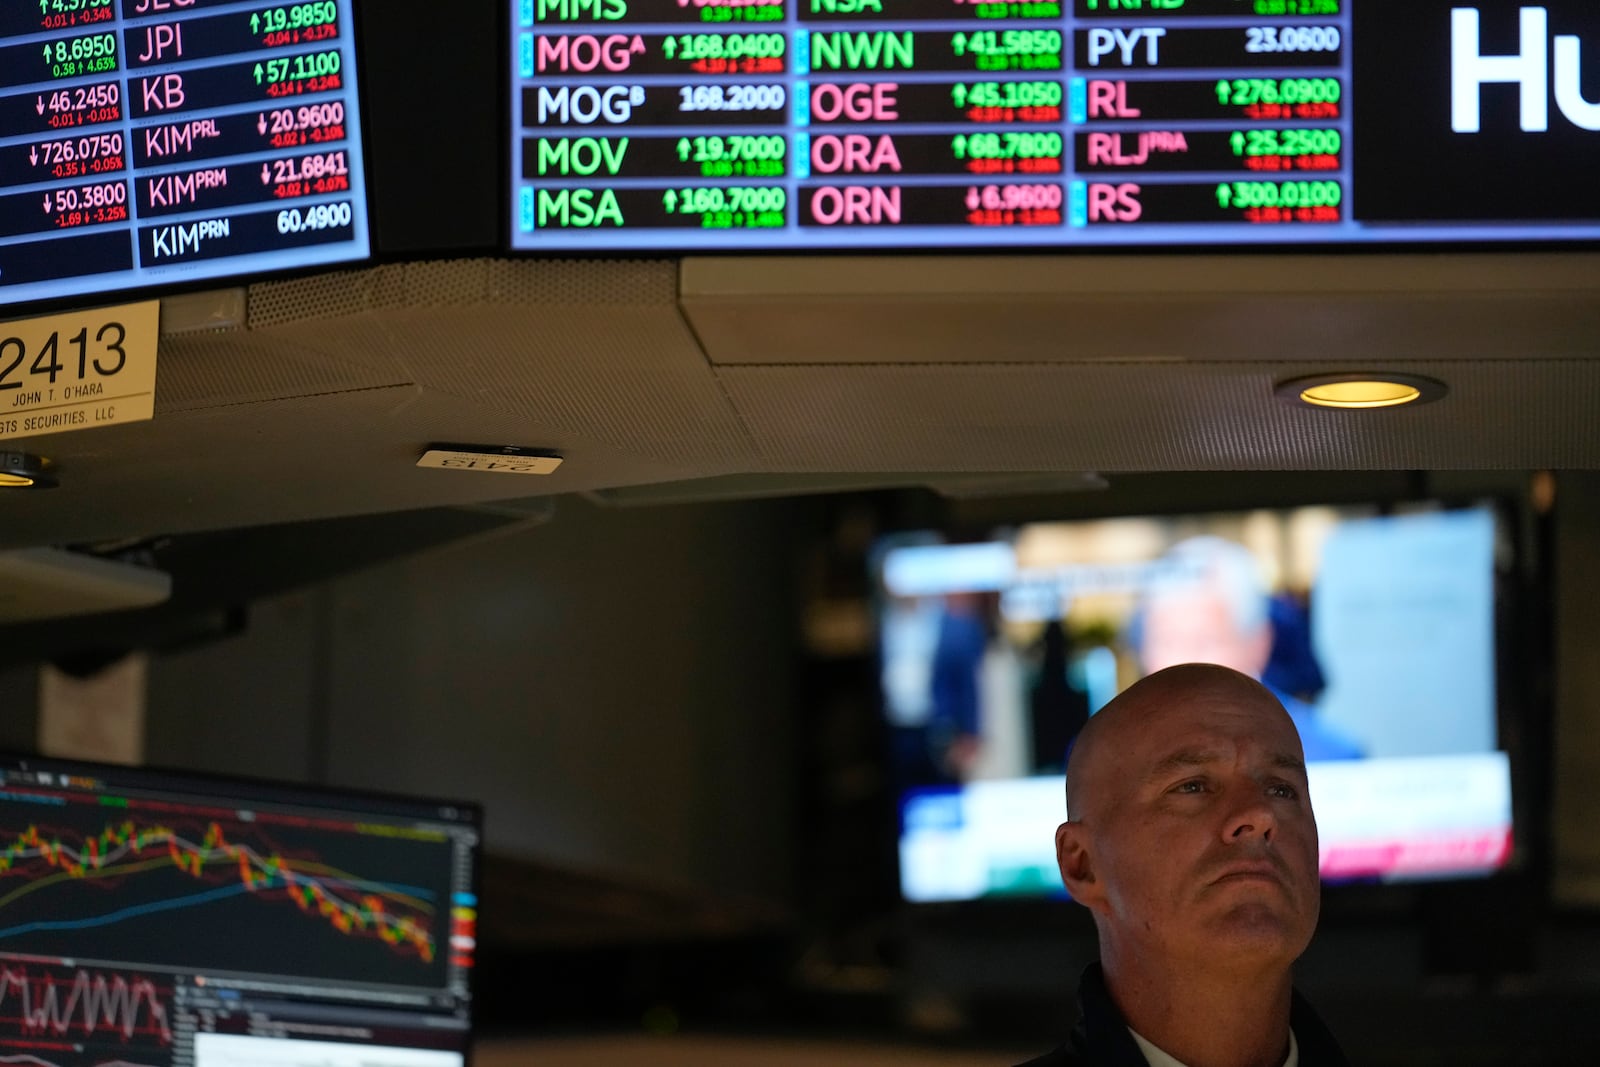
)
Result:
{"points": [[434, 95], [1409, 164]]}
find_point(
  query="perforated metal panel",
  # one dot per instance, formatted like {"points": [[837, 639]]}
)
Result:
{"points": [[323, 296], [774, 368], [310, 457], [1499, 415], [1155, 308], [237, 367], [631, 377], [652, 283], [321, 405], [463, 283]]}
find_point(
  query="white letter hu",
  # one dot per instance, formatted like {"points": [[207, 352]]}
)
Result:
{"points": [[1469, 71], [1569, 89]]}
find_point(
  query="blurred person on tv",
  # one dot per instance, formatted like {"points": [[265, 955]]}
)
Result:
{"points": [[1191, 839], [1057, 710], [955, 716], [1208, 604]]}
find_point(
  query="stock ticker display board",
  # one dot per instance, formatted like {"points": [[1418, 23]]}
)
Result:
{"points": [[151, 142], [862, 124]]}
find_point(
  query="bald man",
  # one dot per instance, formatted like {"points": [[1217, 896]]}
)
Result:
{"points": [[1190, 838]]}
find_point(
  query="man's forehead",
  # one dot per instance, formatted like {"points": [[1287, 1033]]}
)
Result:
{"points": [[1183, 759], [1193, 706], [1219, 728]]}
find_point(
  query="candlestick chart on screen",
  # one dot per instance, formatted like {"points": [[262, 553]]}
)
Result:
{"points": [[195, 888]]}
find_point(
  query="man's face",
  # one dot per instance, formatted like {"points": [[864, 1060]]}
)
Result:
{"points": [[1196, 626], [1201, 835]]}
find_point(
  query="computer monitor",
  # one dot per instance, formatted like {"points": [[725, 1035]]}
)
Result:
{"points": [[1377, 630], [168, 920], [149, 144]]}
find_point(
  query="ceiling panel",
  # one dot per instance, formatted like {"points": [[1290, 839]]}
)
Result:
{"points": [[1121, 309], [760, 376], [1503, 414]]}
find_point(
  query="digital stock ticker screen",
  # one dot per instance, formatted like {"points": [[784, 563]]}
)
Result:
{"points": [[156, 921], [861, 124], [152, 142]]}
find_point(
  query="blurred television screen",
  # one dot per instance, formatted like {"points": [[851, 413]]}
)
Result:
{"points": [[1377, 632]]}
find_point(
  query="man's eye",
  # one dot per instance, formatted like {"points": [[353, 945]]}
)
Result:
{"points": [[1193, 786], [1283, 790]]}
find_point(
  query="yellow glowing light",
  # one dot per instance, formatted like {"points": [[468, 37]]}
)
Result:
{"points": [[14, 481], [1361, 394]]}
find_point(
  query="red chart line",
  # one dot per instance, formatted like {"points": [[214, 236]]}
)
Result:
{"points": [[91, 1003], [35, 1061]]}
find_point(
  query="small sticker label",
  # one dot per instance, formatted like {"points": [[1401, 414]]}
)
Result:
{"points": [[78, 371], [499, 461]]}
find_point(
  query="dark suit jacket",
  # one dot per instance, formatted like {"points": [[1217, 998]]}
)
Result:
{"points": [[1101, 1038]]}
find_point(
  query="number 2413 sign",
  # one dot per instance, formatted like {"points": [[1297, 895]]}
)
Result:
{"points": [[78, 371]]}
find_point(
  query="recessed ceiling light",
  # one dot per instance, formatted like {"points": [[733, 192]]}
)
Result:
{"points": [[1360, 391]]}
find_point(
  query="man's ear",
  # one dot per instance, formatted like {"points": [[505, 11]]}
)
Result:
{"points": [[1077, 865]]}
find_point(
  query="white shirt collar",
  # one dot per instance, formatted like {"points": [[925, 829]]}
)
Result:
{"points": [[1156, 1058]]}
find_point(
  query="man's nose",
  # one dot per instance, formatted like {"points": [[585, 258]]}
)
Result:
{"points": [[1251, 818]]}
